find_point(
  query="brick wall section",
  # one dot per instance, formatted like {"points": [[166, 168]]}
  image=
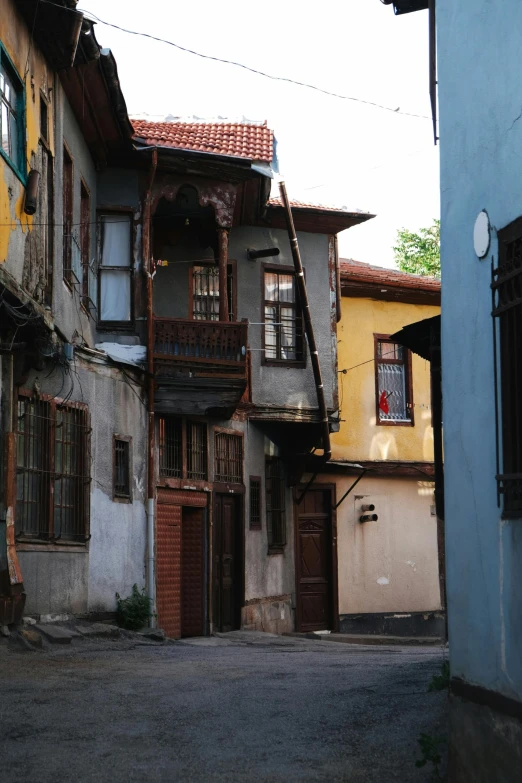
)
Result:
{"points": [[168, 564]]}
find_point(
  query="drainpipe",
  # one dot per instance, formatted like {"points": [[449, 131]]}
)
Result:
{"points": [[305, 306], [147, 263]]}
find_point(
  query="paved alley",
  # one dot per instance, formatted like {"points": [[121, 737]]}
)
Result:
{"points": [[246, 707]]}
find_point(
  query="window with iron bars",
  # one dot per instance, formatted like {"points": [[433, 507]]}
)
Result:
{"points": [[205, 292], [255, 503], [228, 458], [182, 448], [122, 468], [507, 324], [275, 503], [393, 382], [52, 470]]}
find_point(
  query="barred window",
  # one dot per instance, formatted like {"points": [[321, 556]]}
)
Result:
{"points": [[507, 320], [393, 382], [122, 468], [182, 448], [205, 292], [52, 470], [283, 322], [255, 503], [228, 458], [275, 503]]}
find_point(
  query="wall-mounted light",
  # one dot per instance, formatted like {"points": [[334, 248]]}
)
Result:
{"points": [[253, 255], [31, 192]]}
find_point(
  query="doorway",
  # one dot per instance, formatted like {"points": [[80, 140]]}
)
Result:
{"points": [[228, 563], [316, 561]]}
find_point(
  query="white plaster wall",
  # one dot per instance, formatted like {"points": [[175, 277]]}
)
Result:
{"points": [[390, 565]]}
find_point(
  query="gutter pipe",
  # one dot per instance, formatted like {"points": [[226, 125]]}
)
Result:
{"points": [[147, 262], [303, 300]]}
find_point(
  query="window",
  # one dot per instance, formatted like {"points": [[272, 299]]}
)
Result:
{"points": [[205, 292], [52, 470], [182, 449], [72, 254], [44, 119], [228, 458], [115, 270], [122, 468], [393, 382], [88, 275], [283, 321], [255, 503], [11, 114], [507, 320], [275, 503]]}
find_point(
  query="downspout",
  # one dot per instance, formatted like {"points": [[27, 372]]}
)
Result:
{"points": [[307, 318], [147, 263]]}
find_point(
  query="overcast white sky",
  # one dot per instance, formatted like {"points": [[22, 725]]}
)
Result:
{"points": [[330, 151]]}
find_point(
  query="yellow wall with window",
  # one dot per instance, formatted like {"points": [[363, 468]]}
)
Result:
{"points": [[360, 436], [29, 66]]}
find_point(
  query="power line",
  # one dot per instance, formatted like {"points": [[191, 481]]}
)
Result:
{"points": [[247, 67]]}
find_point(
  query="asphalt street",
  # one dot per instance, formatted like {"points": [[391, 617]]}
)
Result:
{"points": [[247, 707]]}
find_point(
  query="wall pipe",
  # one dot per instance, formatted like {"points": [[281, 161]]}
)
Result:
{"points": [[147, 263], [309, 331]]}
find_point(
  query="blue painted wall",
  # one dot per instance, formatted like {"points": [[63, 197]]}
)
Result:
{"points": [[480, 95]]}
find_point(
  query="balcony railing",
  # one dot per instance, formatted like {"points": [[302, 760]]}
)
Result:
{"points": [[201, 346]]}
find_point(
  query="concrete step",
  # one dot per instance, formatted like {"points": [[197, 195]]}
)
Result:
{"points": [[55, 634], [370, 639]]}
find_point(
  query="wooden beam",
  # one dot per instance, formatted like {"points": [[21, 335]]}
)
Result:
{"points": [[223, 274]]}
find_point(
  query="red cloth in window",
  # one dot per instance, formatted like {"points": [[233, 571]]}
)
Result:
{"points": [[383, 402]]}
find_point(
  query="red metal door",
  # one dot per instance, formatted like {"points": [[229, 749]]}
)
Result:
{"points": [[192, 572], [227, 564], [314, 562], [168, 563]]}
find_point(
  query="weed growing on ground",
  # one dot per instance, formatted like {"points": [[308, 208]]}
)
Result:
{"points": [[441, 681], [133, 611], [431, 753]]}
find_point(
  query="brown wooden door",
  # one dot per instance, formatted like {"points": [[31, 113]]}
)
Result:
{"points": [[192, 572], [227, 564], [314, 561], [168, 563]]}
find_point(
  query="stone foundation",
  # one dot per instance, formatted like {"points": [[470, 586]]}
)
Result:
{"points": [[272, 615]]}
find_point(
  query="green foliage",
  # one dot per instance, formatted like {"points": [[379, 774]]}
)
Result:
{"points": [[441, 681], [133, 611], [431, 753], [419, 254]]}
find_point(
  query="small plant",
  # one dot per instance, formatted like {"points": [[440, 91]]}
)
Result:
{"points": [[431, 753], [441, 681], [133, 611]]}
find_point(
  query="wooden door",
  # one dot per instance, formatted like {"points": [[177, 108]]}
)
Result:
{"points": [[192, 571], [227, 548], [168, 563], [314, 566]]}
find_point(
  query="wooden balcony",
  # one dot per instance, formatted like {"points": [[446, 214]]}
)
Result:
{"points": [[199, 366]]}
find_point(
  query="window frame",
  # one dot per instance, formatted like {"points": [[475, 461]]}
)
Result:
{"points": [[271, 362], [232, 296], [255, 521], [85, 245], [217, 431], [120, 497], [51, 474], [115, 325], [19, 85], [182, 422], [408, 382], [68, 274], [276, 547]]}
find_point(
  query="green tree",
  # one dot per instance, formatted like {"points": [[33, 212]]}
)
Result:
{"points": [[419, 254]]}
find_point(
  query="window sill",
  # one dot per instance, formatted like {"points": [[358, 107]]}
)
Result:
{"points": [[122, 499], [278, 549], [387, 423], [28, 545], [298, 364], [14, 169]]}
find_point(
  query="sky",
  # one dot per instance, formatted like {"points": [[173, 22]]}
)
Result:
{"points": [[331, 151]]}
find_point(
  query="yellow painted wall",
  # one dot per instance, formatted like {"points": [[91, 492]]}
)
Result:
{"points": [[15, 38], [360, 438]]}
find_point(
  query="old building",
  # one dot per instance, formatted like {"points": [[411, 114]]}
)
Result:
{"points": [[73, 420], [480, 95], [382, 459]]}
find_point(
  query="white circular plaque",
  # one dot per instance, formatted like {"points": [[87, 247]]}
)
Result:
{"points": [[481, 234]]}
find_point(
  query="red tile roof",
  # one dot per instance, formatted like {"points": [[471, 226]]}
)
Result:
{"points": [[276, 202], [239, 139], [359, 272]]}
